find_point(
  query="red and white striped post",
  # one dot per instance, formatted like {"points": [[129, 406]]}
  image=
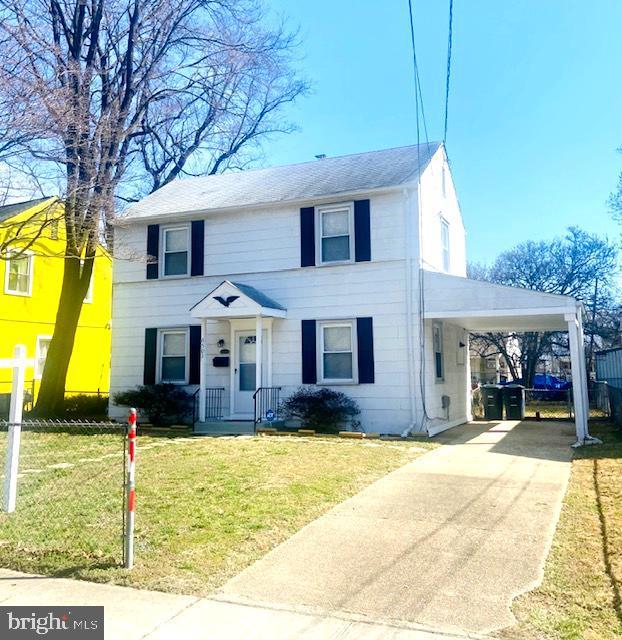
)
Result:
{"points": [[131, 490]]}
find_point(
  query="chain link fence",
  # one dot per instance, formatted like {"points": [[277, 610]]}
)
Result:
{"points": [[551, 404], [615, 403], [70, 497], [544, 404]]}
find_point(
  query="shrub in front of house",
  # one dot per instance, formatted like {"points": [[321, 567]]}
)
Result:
{"points": [[321, 409], [86, 407], [163, 404]]}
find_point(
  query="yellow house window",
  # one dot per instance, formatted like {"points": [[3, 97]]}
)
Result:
{"points": [[18, 275], [43, 345], [89, 294]]}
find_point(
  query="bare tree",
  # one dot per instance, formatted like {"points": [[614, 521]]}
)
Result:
{"points": [[102, 93], [580, 264]]}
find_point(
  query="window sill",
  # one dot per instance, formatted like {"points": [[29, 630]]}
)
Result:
{"points": [[175, 277], [336, 263], [18, 293], [336, 383]]}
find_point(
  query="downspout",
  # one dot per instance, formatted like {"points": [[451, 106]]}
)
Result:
{"points": [[408, 262]]}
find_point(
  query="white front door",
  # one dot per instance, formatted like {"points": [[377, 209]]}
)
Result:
{"points": [[244, 379]]}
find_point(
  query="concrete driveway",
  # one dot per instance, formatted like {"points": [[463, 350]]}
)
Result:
{"points": [[446, 541]]}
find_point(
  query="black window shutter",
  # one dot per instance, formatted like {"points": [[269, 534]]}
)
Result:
{"points": [[197, 247], [365, 339], [362, 231], [151, 350], [153, 250], [309, 365], [194, 368], [307, 237]]}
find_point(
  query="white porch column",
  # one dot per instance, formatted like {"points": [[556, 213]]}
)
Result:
{"points": [[203, 371], [579, 380], [258, 349], [467, 372]]}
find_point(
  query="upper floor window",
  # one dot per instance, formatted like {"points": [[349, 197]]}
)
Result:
{"points": [[437, 343], [174, 350], [336, 351], [18, 275], [175, 250], [336, 233], [54, 229], [445, 244]]}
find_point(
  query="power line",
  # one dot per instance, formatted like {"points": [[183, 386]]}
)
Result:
{"points": [[418, 94], [448, 75]]}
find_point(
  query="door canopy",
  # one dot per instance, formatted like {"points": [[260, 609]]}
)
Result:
{"points": [[237, 300]]}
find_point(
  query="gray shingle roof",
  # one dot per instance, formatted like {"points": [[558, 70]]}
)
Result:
{"points": [[10, 210], [258, 296], [290, 183]]}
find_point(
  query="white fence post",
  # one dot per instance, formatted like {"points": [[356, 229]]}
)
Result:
{"points": [[15, 429], [130, 490]]}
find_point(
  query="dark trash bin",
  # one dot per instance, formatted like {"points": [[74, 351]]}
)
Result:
{"points": [[514, 401], [492, 397]]}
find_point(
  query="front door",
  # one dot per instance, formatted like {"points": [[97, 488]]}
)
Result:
{"points": [[245, 371]]}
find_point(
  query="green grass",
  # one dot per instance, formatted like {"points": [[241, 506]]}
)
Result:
{"points": [[579, 598], [206, 508]]}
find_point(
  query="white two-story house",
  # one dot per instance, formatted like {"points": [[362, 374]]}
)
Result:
{"points": [[347, 272]]}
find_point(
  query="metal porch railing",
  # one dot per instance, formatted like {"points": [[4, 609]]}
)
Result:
{"points": [[213, 404], [266, 399]]}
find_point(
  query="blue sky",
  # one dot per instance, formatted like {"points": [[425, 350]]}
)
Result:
{"points": [[535, 108]]}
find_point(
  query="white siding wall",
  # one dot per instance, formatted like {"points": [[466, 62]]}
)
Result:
{"points": [[456, 376], [262, 249], [436, 205], [259, 240]]}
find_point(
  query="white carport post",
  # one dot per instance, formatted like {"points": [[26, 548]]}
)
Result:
{"points": [[579, 378], [258, 350], [203, 371]]}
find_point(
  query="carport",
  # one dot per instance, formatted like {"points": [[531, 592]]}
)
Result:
{"points": [[481, 307]]}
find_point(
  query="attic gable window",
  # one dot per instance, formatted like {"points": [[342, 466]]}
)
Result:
{"points": [[445, 245], [336, 233], [175, 250]]}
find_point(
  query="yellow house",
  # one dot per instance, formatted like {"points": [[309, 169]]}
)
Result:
{"points": [[29, 291]]}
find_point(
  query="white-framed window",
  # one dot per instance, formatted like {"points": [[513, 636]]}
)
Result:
{"points": [[41, 354], [437, 343], [335, 233], [175, 253], [173, 350], [445, 248], [18, 274], [54, 229], [337, 357], [89, 293]]}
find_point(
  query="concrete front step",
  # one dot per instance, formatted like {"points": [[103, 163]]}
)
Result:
{"points": [[224, 428]]}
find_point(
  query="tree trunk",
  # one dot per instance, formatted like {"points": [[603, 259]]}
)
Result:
{"points": [[51, 397]]}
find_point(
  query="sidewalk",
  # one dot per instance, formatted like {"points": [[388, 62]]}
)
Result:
{"points": [[132, 614]]}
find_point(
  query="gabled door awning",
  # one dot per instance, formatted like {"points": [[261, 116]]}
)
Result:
{"points": [[237, 300]]}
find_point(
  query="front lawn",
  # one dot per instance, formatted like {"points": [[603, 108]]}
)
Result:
{"points": [[206, 507], [579, 598]]}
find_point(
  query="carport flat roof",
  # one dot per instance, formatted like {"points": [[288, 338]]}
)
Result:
{"points": [[482, 306]]}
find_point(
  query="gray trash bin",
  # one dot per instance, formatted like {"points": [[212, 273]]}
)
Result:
{"points": [[492, 397], [514, 401]]}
